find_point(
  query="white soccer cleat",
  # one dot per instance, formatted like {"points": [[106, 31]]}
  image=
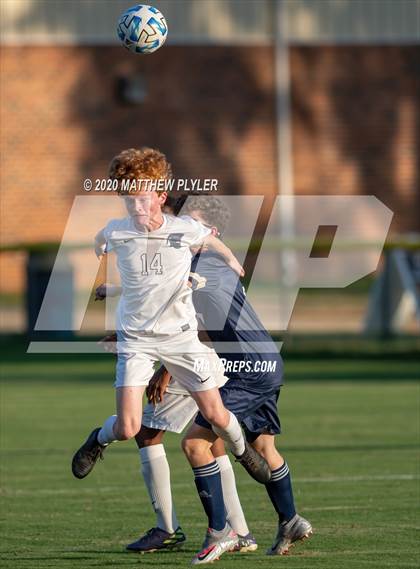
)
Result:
{"points": [[215, 544], [289, 533]]}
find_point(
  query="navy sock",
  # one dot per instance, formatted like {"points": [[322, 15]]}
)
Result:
{"points": [[209, 487], [280, 491]]}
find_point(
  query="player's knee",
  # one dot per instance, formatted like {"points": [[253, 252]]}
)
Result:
{"points": [[125, 430], [187, 447], [260, 445], [265, 446], [263, 451], [216, 417], [193, 449]]}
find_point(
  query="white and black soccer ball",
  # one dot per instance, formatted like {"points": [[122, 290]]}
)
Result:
{"points": [[142, 29]]}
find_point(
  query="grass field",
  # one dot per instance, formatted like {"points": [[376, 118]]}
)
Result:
{"points": [[350, 437]]}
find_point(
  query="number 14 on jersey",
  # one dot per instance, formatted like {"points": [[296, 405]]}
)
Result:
{"points": [[154, 265]]}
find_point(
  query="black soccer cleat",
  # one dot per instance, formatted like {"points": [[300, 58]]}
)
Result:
{"points": [[157, 539], [85, 458], [256, 465]]}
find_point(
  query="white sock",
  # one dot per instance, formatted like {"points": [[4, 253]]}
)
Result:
{"points": [[234, 513], [157, 477], [233, 435], [106, 434]]}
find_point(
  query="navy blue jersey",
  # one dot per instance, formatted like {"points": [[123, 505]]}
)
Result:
{"points": [[239, 338]]}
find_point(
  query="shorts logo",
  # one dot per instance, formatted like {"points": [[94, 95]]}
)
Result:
{"points": [[174, 240]]}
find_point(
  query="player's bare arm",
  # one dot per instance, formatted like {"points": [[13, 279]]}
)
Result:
{"points": [[100, 244], [214, 244]]}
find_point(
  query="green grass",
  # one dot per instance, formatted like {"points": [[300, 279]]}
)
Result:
{"points": [[351, 445]]}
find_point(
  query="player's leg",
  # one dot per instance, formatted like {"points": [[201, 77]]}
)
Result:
{"points": [[147, 437], [234, 513], [225, 425], [133, 372], [197, 445], [220, 537], [201, 451], [223, 422], [129, 411], [260, 426], [279, 488], [291, 526], [120, 427], [156, 475], [172, 414], [180, 355], [126, 423]]}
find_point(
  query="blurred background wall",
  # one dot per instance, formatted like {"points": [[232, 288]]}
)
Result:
{"points": [[71, 98]]}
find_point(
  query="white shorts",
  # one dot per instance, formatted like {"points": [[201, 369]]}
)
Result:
{"points": [[193, 365], [173, 414]]}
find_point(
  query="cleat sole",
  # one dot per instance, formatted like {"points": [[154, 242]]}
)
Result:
{"points": [[293, 544], [145, 551], [249, 548]]}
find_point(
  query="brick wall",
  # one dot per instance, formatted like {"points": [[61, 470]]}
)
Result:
{"points": [[356, 125], [355, 114]]}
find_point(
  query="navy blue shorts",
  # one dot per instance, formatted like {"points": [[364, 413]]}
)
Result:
{"points": [[255, 409]]}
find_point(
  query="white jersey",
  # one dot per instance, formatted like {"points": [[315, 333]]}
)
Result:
{"points": [[154, 267]]}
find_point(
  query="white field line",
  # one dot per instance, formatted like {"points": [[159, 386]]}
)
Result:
{"points": [[333, 508], [368, 478]]}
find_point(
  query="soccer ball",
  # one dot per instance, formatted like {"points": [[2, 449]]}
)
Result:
{"points": [[142, 29]]}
